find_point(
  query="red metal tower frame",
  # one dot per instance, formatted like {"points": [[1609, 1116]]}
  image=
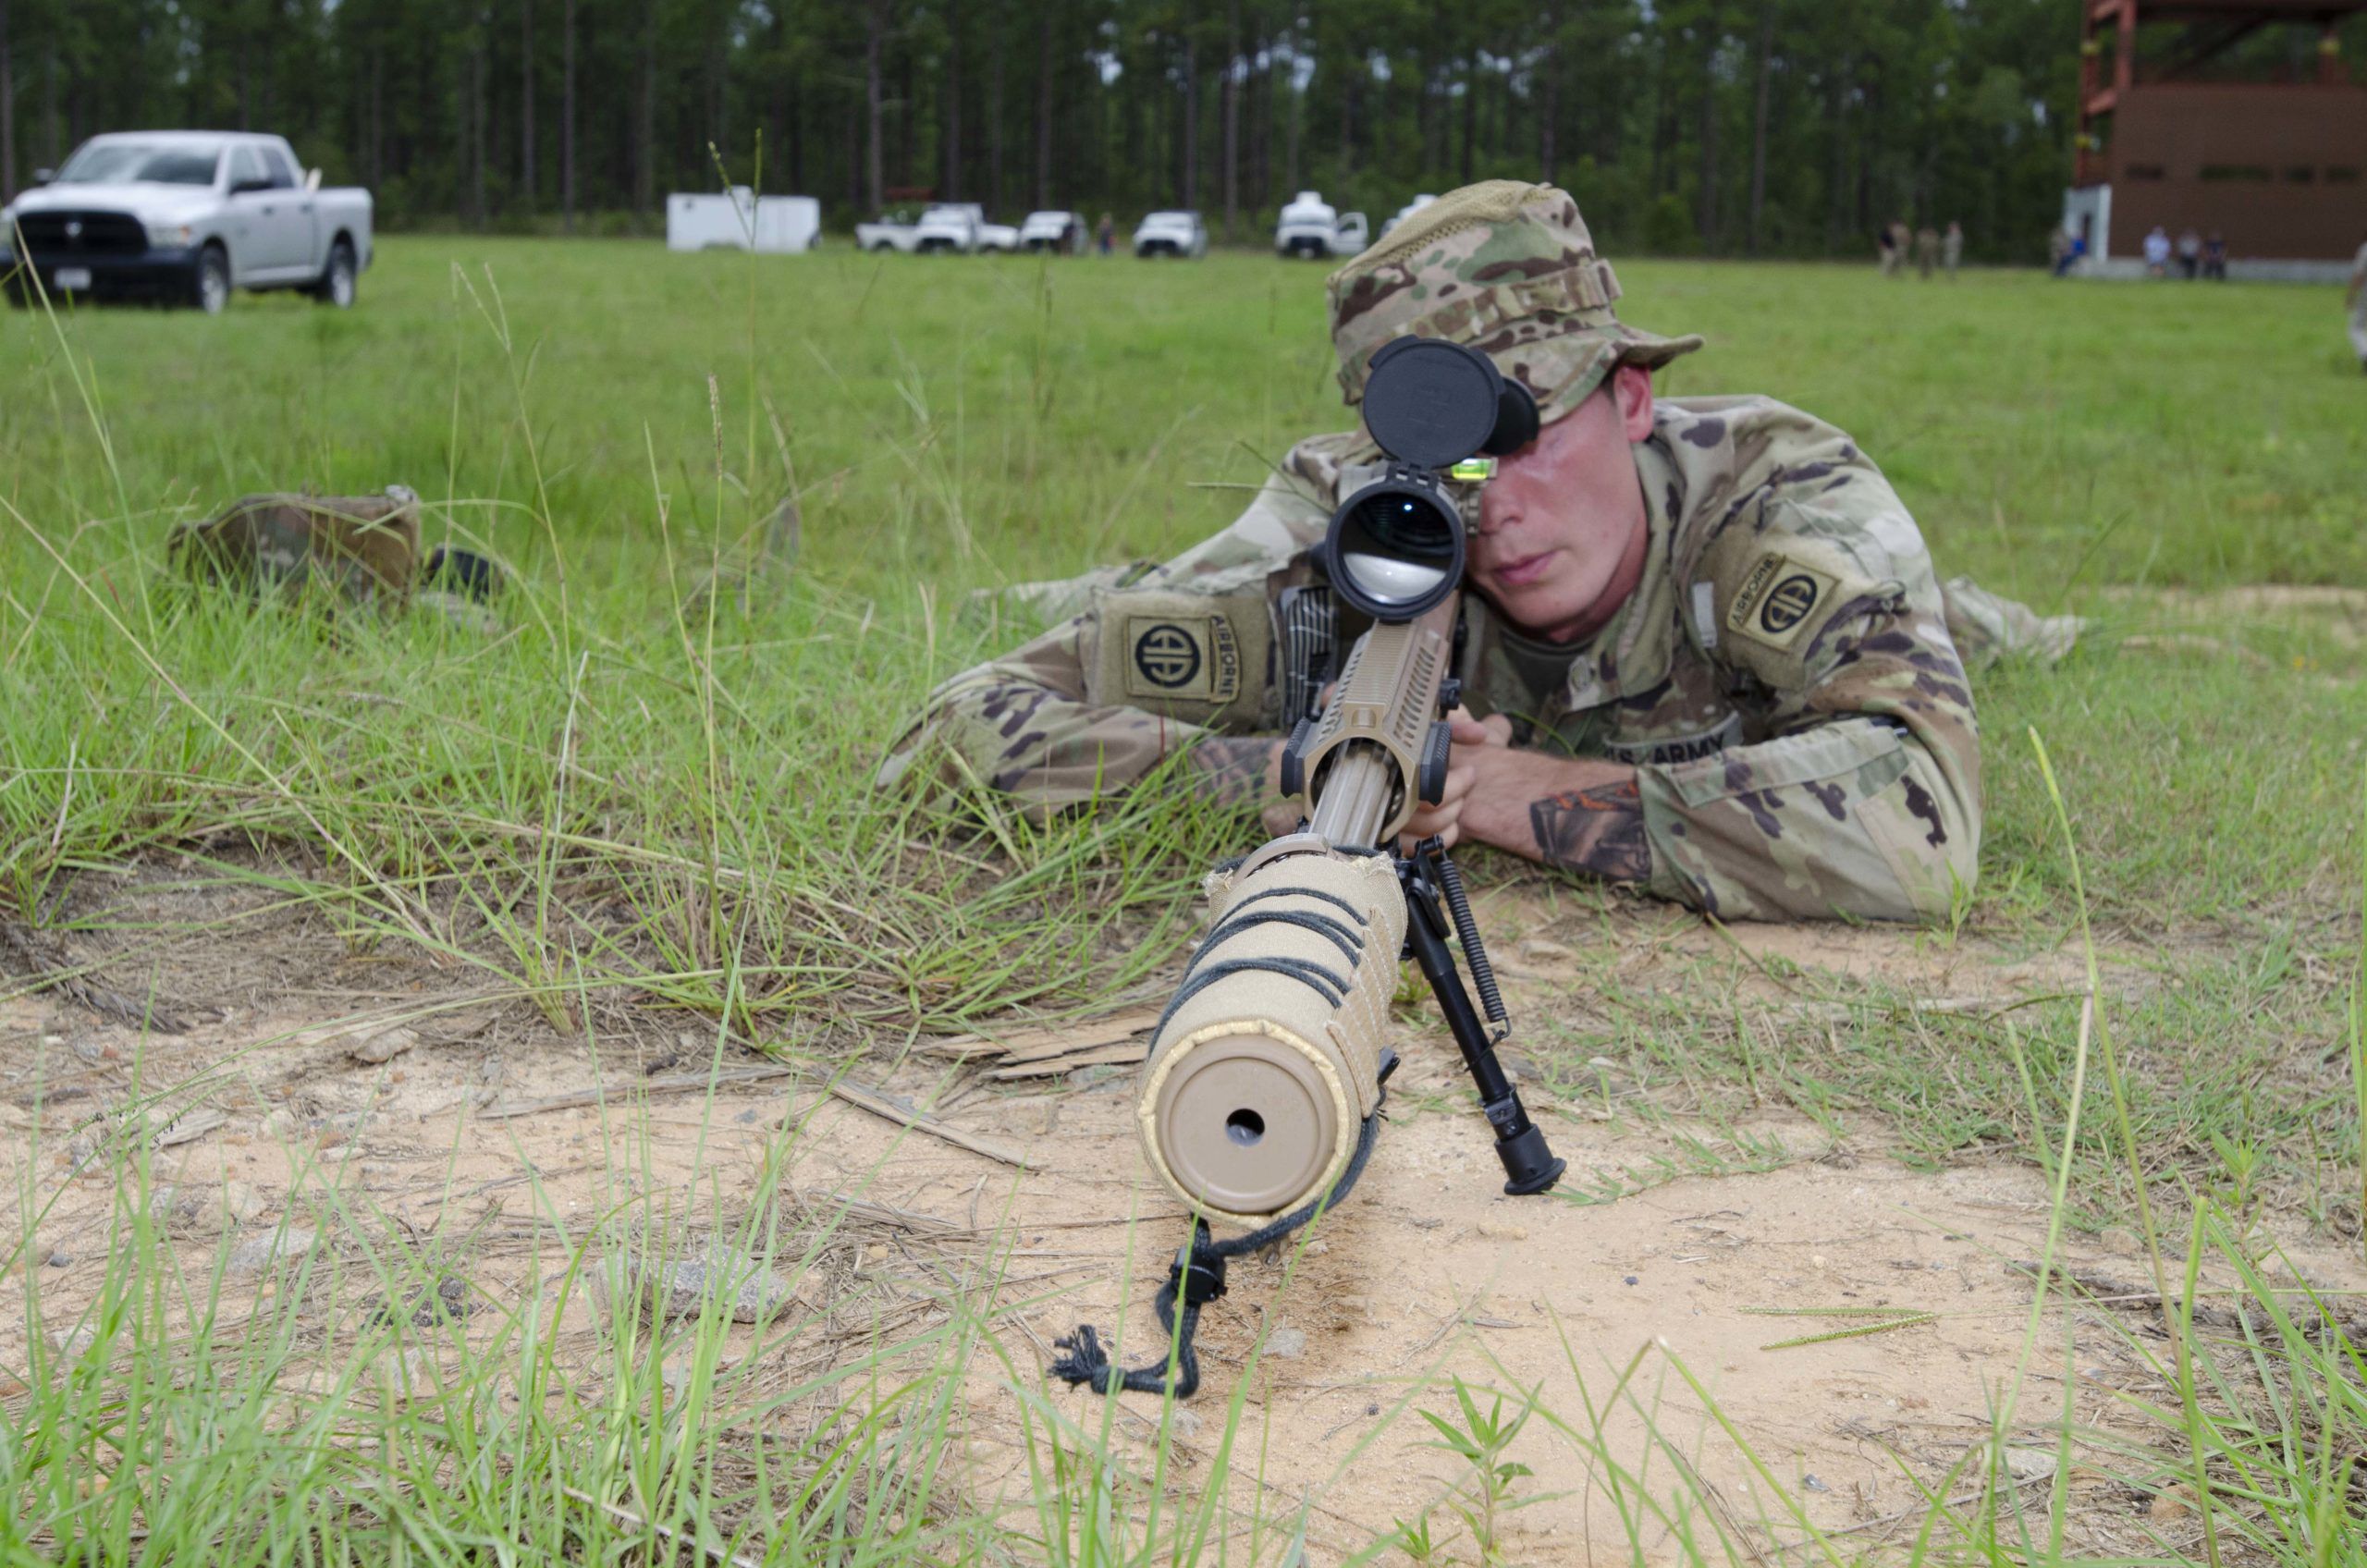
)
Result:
{"points": [[2184, 145]]}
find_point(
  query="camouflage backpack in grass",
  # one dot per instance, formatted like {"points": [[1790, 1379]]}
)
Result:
{"points": [[353, 549]]}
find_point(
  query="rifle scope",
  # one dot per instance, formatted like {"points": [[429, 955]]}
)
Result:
{"points": [[1394, 549]]}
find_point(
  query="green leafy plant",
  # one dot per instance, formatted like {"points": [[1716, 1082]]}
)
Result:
{"points": [[1481, 1441], [1415, 1540]]}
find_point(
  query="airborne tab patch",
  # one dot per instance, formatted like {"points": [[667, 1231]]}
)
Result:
{"points": [[1779, 600], [1194, 658]]}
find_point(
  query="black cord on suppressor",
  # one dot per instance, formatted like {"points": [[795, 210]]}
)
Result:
{"points": [[1197, 1278]]}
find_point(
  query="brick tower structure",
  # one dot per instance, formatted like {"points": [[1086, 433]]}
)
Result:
{"points": [[2180, 127]]}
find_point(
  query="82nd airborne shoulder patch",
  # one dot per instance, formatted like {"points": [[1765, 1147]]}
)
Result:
{"points": [[1779, 600], [1186, 657]]}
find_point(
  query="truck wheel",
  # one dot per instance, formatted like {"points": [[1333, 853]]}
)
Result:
{"points": [[337, 279], [210, 284]]}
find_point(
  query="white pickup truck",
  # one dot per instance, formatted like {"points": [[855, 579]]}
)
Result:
{"points": [[1310, 226], [1062, 234], [188, 217], [895, 229], [959, 227]]}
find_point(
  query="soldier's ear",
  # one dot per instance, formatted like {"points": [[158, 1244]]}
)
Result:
{"points": [[1631, 391]]}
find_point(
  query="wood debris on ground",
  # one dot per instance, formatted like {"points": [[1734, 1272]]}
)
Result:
{"points": [[1030, 1050]]}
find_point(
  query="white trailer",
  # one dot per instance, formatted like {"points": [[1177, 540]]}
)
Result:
{"points": [[739, 219]]}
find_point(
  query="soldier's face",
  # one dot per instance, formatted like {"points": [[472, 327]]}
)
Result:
{"points": [[1562, 525]]}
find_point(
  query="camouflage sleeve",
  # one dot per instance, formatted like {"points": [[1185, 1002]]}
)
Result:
{"points": [[1168, 662], [1025, 725], [1863, 798]]}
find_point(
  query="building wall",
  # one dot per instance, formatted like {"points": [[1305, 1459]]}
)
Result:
{"points": [[2280, 170]]}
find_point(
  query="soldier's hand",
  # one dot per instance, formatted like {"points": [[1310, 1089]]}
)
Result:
{"points": [[1493, 730], [1469, 736]]}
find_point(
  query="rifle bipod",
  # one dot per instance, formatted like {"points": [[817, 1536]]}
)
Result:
{"points": [[1428, 876]]}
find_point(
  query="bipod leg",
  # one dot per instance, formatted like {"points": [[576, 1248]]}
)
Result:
{"points": [[1530, 1166]]}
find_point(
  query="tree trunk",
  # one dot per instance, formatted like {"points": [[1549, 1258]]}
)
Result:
{"points": [[1232, 119], [644, 168], [1759, 119], [476, 132], [566, 119], [1471, 110], [377, 162], [526, 101], [1837, 228], [1428, 115], [1348, 121], [1044, 109], [1549, 111], [906, 96], [853, 144], [1191, 192], [875, 38], [7, 110], [1710, 143], [1663, 119], [1261, 126], [949, 177], [994, 118], [49, 149], [1294, 114]]}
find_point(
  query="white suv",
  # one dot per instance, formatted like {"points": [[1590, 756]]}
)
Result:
{"points": [[1172, 234]]}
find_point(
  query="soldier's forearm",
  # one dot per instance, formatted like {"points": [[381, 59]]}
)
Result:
{"points": [[1575, 814]]}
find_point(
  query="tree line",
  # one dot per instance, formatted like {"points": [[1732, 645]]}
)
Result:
{"points": [[1718, 127]]}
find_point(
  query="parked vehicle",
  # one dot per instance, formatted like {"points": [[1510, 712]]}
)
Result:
{"points": [[1310, 227], [1172, 234], [186, 216], [997, 237], [896, 230], [739, 219], [1061, 233], [1407, 211], [951, 225]]}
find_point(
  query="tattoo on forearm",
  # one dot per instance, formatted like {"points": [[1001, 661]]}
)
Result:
{"points": [[1598, 830], [1234, 767]]}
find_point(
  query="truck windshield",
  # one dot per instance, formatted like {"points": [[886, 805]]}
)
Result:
{"points": [[159, 163]]}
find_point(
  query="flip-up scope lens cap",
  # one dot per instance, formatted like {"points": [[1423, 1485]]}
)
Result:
{"points": [[1429, 402]]}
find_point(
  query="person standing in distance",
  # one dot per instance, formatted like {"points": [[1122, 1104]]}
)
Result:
{"points": [[2355, 295]]}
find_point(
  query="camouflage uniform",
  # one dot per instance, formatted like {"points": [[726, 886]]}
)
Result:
{"points": [[1782, 680]]}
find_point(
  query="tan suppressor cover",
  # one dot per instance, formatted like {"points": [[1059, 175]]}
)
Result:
{"points": [[1256, 1088]]}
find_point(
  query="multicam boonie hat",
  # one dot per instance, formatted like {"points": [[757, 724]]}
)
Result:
{"points": [[1507, 268]]}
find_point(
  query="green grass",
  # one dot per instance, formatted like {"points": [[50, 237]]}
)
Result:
{"points": [[640, 792], [614, 421]]}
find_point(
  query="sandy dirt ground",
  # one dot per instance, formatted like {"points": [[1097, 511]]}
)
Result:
{"points": [[483, 1130]]}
